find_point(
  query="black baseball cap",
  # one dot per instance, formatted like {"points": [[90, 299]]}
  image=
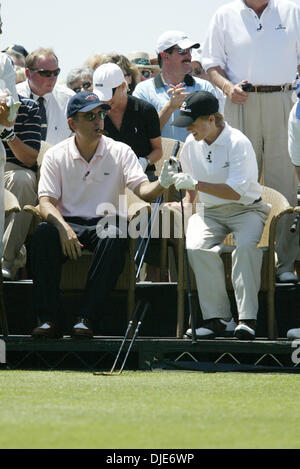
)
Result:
{"points": [[83, 102], [197, 104]]}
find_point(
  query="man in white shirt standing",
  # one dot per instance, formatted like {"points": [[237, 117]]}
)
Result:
{"points": [[42, 71], [258, 42], [219, 165]]}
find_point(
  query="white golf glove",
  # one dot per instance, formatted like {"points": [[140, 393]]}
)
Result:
{"points": [[184, 181], [167, 173], [144, 163]]}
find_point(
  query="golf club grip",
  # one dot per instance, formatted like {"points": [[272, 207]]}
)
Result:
{"points": [[175, 150], [293, 228]]}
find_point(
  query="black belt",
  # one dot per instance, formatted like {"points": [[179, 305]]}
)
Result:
{"points": [[257, 200], [268, 89]]}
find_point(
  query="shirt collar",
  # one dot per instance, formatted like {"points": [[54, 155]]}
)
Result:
{"points": [[100, 150], [159, 83], [222, 137], [245, 7]]}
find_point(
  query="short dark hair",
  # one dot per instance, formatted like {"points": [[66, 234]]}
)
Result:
{"points": [[169, 51]]}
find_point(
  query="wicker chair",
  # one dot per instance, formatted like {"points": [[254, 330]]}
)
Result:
{"points": [[11, 206], [280, 207]]}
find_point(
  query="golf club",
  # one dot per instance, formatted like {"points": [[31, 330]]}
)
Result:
{"points": [[112, 371], [188, 277]]}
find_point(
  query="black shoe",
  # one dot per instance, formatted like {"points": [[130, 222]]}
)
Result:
{"points": [[82, 329], [48, 330], [245, 330]]}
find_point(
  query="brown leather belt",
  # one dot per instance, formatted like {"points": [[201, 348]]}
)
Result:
{"points": [[269, 89]]}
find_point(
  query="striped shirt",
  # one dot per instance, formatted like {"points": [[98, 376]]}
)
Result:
{"points": [[27, 128]]}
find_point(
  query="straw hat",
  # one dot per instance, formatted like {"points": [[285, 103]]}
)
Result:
{"points": [[141, 60]]}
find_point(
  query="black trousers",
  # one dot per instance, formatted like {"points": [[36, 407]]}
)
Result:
{"points": [[47, 259]]}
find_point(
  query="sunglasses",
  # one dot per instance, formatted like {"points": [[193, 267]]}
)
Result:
{"points": [[146, 73], [91, 116], [84, 85], [182, 51], [46, 73]]}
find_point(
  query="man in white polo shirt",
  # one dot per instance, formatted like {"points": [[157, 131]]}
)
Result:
{"points": [[220, 165], [258, 42], [82, 178]]}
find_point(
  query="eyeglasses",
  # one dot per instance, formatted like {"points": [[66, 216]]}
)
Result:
{"points": [[182, 51], [84, 85], [146, 73], [91, 116], [46, 73]]}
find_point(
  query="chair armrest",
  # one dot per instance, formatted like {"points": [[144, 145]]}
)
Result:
{"points": [[11, 204]]}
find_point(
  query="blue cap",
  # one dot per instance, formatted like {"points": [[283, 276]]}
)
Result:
{"points": [[83, 102]]}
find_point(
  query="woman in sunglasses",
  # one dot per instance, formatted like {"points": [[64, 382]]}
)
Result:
{"points": [[142, 62], [80, 79]]}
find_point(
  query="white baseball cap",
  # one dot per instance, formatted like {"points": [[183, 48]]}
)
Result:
{"points": [[173, 38], [105, 78]]}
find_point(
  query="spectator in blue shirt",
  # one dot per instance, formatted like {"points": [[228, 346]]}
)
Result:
{"points": [[167, 91]]}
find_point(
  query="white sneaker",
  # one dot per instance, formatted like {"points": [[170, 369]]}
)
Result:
{"points": [[205, 333], [244, 332], [287, 277], [293, 334]]}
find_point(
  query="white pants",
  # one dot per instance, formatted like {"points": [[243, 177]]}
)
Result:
{"points": [[266, 125], [23, 184], [203, 239]]}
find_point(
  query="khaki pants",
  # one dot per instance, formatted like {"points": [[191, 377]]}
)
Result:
{"points": [[266, 125], [21, 182], [203, 240]]}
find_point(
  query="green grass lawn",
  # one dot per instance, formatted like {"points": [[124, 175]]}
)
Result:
{"points": [[51, 409]]}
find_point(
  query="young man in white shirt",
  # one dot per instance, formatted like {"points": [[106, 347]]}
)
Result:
{"points": [[257, 42], [219, 165]]}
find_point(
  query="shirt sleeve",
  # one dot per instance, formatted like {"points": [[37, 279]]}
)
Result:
{"points": [[133, 171], [242, 167], [152, 122], [294, 137], [50, 177], [28, 126], [213, 53]]}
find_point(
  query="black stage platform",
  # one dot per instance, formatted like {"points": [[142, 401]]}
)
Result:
{"points": [[156, 347]]}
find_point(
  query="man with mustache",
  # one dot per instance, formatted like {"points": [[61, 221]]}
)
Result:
{"points": [[170, 87]]}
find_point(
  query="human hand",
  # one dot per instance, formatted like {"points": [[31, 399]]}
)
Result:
{"points": [[177, 95], [184, 181], [70, 244], [236, 93], [166, 176]]}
